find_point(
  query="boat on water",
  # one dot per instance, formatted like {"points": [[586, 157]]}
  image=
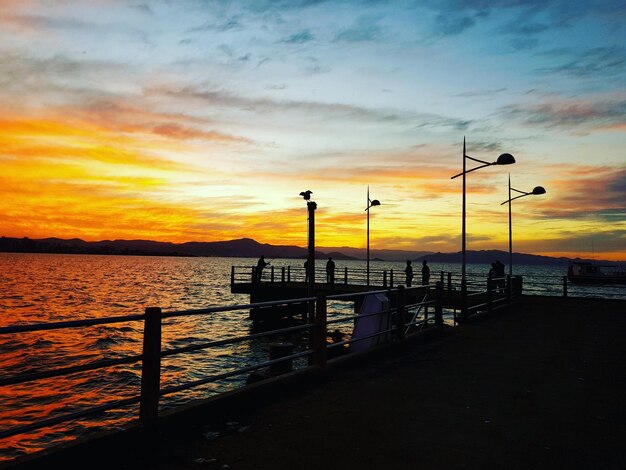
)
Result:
{"points": [[587, 272]]}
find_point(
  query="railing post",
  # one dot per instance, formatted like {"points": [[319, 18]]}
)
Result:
{"points": [[564, 286], [232, 276], [450, 287], [391, 278], [253, 275], [345, 275], [442, 277], [401, 313], [439, 305], [288, 273], [282, 276], [490, 284], [319, 332], [151, 367], [385, 278], [272, 274]]}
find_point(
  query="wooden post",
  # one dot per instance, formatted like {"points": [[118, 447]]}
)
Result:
{"points": [[391, 278], [319, 332], [490, 284], [253, 275], [272, 274], [401, 313], [232, 276], [439, 305], [385, 278], [278, 350], [345, 275], [282, 276], [564, 286], [288, 273], [151, 367], [442, 276], [450, 287]]}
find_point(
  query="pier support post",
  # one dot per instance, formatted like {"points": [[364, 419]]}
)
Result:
{"points": [[277, 351], [391, 278], [319, 332], [385, 278], [345, 275], [564, 286], [439, 305], [151, 368]]}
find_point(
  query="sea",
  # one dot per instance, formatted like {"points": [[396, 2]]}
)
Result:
{"points": [[42, 288]]}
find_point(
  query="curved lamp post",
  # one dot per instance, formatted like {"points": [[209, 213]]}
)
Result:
{"points": [[536, 191], [504, 159], [370, 204]]}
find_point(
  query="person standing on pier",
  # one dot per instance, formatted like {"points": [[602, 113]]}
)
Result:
{"points": [[330, 271], [260, 265], [425, 273], [409, 273]]}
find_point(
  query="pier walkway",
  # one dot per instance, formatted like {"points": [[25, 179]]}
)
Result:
{"points": [[541, 386]]}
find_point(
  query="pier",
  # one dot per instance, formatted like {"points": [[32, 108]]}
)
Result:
{"points": [[539, 386]]}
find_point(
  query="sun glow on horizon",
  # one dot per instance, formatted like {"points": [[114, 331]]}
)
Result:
{"points": [[213, 137]]}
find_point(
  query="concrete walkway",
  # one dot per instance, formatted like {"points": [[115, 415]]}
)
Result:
{"points": [[541, 387]]}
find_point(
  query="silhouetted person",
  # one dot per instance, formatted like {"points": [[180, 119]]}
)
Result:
{"points": [[409, 273], [500, 274], [330, 271], [259, 268], [425, 273]]}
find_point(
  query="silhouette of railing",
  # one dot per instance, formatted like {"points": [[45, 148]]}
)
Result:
{"points": [[316, 349]]}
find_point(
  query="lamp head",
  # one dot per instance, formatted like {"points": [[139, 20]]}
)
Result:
{"points": [[505, 159], [375, 202], [539, 190]]}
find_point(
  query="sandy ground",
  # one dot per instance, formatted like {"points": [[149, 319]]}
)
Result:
{"points": [[540, 387]]}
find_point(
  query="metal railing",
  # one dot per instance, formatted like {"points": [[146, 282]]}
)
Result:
{"points": [[316, 349], [288, 274]]}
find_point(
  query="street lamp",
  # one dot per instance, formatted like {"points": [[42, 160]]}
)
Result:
{"points": [[369, 205], [537, 190], [310, 268], [504, 159]]}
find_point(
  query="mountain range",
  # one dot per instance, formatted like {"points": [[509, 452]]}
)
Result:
{"points": [[249, 248]]}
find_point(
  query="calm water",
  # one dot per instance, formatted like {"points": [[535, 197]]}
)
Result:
{"points": [[40, 288]]}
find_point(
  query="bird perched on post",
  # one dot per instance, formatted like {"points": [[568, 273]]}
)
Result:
{"points": [[306, 195]]}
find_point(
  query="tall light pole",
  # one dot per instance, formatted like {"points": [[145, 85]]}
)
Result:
{"points": [[503, 159], [536, 190], [310, 268], [369, 205]]}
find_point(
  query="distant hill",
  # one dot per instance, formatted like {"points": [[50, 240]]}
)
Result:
{"points": [[384, 255], [249, 248], [243, 248], [489, 256]]}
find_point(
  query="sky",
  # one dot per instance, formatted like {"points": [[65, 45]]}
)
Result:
{"points": [[194, 120]]}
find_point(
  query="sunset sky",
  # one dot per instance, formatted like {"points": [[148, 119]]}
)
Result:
{"points": [[196, 120]]}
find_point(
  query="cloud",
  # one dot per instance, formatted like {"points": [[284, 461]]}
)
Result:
{"points": [[598, 62], [572, 115], [299, 38], [586, 192]]}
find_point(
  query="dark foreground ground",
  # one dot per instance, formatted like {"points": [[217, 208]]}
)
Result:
{"points": [[540, 387]]}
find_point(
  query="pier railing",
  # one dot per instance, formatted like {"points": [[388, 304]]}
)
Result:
{"points": [[409, 311], [295, 274], [328, 333]]}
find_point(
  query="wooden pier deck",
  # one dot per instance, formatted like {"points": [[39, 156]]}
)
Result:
{"points": [[537, 387]]}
